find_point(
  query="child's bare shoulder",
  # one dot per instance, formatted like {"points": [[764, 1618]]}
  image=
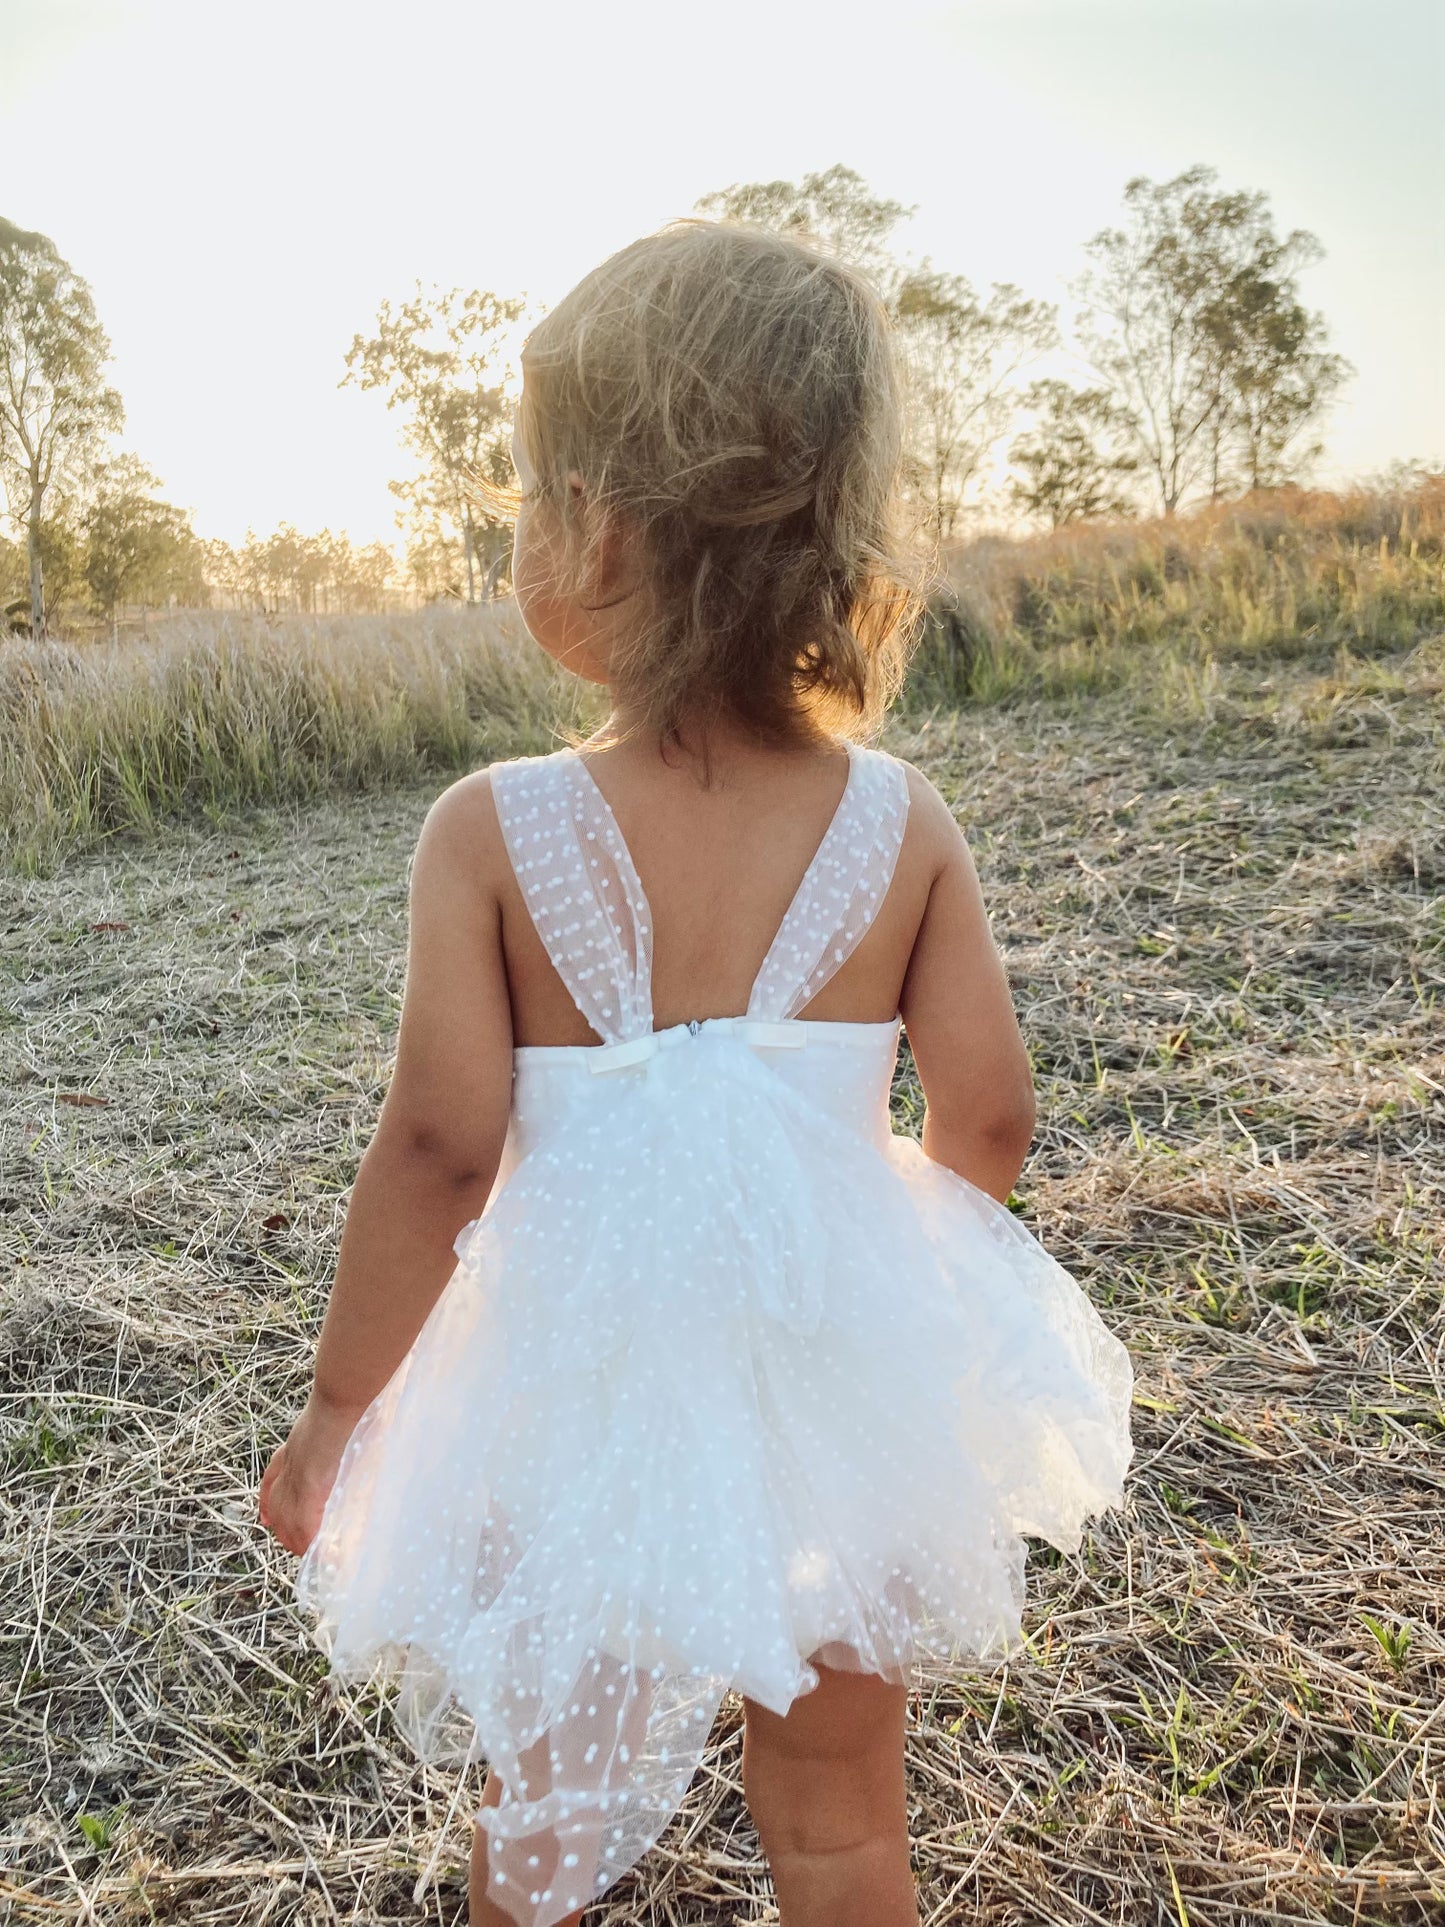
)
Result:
{"points": [[462, 835], [933, 830]]}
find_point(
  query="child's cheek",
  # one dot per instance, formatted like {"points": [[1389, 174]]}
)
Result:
{"points": [[566, 633], [533, 581]]}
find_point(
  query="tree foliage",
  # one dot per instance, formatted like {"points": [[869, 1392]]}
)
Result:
{"points": [[1191, 315], [1279, 375], [55, 407], [962, 354], [435, 565], [961, 351], [1073, 460], [291, 573], [58, 542], [14, 585], [836, 208], [1211, 368], [1213, 375], [440, 358], [137, 548]]}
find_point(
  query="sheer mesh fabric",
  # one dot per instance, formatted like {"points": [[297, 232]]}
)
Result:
{"points": [[728, 1382], [842, 890], [581, 888], [584, 896]]}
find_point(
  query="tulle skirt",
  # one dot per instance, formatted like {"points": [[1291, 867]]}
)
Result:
{"points": [[720, 1388]]}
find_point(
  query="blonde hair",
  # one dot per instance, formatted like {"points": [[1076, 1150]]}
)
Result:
{"points": [[733, 395]]}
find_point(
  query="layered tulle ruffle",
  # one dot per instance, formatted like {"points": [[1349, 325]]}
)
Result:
{"points": [[720, 1386]]}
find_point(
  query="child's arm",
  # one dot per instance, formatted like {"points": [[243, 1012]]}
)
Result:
{"points": [[960, 1020], [431, 1164]]}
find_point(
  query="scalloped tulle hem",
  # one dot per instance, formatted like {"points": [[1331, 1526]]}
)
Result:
{"points": [[683, 1419], [563, 1833]]}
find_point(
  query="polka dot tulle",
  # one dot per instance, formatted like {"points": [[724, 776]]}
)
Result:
{"points": [[841, 892], [728, 1381], [581, 889]]}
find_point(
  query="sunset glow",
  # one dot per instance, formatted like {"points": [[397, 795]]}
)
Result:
{"points": [[241, 187]]}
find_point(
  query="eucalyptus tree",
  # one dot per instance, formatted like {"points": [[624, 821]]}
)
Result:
{"points": [[1279, 374], [835, 207], [1073, 460], [962, 355], [137, 547], [961, 351], [1191, 316], [55, 406], [441, 359]]}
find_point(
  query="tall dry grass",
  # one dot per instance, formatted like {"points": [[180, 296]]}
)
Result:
{"points": [[1282, 573], [211, 712], [208, 712]]}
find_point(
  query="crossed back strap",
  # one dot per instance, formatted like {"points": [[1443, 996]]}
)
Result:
{"points": [[582, 890]]}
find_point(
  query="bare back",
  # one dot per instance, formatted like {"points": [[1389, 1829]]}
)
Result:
{"points": [[719, 865]]}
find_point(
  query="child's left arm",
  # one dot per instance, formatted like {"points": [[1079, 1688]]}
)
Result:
{"points": [[431, 1164]]}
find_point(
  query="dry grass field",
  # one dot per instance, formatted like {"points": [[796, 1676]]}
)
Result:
{"points": [[1222, 910], [204, 710]]}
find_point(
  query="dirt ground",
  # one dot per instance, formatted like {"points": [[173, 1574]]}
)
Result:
{"points": [[1223, 917]]}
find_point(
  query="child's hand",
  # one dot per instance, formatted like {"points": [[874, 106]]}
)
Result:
{"points": [[299, 1479]]}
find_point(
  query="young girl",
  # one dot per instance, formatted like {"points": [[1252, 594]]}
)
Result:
{"points": [[722, 1386]]}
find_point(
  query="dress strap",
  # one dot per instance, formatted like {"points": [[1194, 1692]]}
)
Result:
{"points": [[581, 889], [841, 889]]}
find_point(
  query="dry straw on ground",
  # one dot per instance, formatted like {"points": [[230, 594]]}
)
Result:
{"points": [[1225, 928]]}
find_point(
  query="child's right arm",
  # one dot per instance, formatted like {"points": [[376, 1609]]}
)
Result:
{"points": [[960, 1019], [430, 1166]]}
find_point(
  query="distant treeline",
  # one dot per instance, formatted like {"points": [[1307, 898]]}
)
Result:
{"points": [[120, 559], [1202, 375], [210, 711]]}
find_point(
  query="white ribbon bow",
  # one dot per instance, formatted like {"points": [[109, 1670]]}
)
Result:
{"points": [[753, 1031]]}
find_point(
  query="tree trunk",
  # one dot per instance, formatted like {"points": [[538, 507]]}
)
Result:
{"points": [[37, 580], [469, 548]]}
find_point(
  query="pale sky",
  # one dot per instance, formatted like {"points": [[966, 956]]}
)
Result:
{"points": [[242, 184]]}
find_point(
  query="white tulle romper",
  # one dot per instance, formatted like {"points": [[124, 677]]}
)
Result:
{"points": [[728, 1378]]}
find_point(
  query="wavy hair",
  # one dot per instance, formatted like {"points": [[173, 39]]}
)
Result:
{"points": [[734, 396]]}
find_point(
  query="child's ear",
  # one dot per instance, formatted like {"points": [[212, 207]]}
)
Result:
{"points": [[616, 556]]}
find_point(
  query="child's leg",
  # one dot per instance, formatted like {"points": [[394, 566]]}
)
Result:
{"points": [[825, 1788], [624, 1724], [481, 1911]]}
